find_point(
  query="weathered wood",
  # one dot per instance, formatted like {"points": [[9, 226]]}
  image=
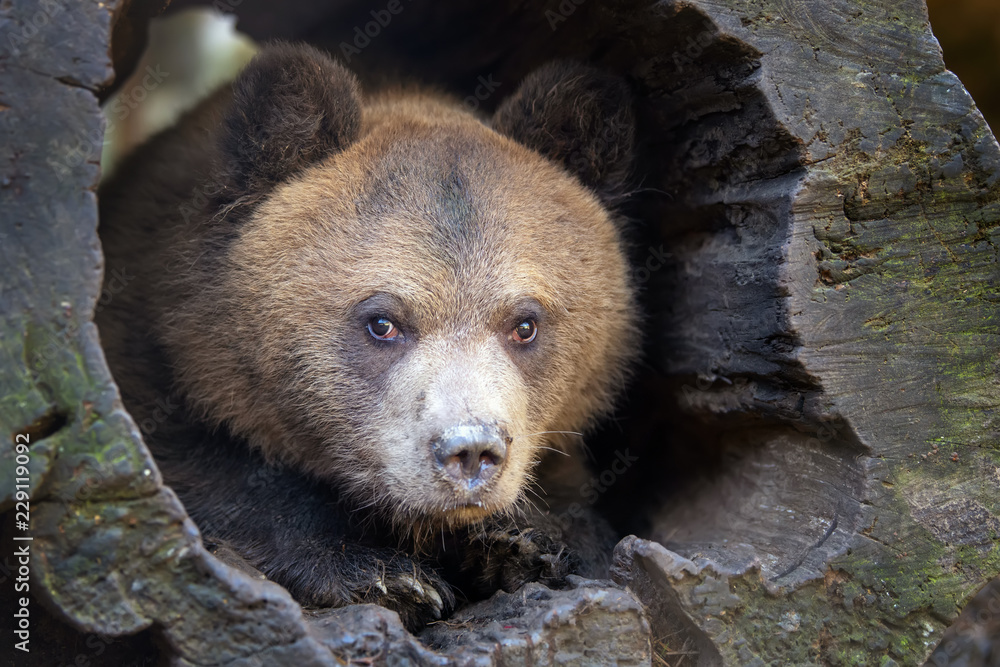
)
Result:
{"points": [[817, 242], [868, 506]]}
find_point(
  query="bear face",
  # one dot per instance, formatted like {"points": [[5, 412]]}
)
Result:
{"points": [[368, 331], [373, 309]]}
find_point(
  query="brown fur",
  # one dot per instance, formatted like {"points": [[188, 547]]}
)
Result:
{"points": [[253, 290]]}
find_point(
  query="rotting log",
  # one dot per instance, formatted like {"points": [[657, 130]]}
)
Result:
{"points": [[817, 422], [848, 335]]}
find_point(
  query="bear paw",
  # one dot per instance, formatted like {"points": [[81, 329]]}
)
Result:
{"points": [[512, 557], [351, 573], [418, 595]]}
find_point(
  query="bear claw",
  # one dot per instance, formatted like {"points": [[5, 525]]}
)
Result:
{"points": [[513, 557]]}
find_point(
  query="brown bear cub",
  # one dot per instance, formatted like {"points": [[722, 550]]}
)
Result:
{"points": [[358, 323]]}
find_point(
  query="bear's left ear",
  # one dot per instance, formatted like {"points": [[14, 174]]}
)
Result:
{"points": [[292, 105], [578, 116]]}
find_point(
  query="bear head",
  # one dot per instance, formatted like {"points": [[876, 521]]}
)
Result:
{"points": [[405, 299]]}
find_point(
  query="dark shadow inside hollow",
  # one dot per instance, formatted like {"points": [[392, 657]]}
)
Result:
{"points": [[722, 424]]}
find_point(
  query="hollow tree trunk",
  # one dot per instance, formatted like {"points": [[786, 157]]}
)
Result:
{"points": [[818, 253], [838, 324]]}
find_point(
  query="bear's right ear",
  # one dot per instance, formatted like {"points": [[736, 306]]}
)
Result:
{"points": [[578, 116], [292, 106]]}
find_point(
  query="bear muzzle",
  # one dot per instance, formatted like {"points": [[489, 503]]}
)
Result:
{"points": [[470, 456]]}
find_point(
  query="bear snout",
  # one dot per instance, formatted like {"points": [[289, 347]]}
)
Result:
{"points": [[471, 454]]}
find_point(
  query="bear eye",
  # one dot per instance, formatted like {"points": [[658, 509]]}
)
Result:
{"points": [[382, 328], [524, 332]]}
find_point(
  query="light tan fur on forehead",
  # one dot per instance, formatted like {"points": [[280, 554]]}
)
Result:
{"points": [[374, 232]]}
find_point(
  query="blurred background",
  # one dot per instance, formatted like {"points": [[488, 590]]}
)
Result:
{"points": [[969, 32], [202, 48]]}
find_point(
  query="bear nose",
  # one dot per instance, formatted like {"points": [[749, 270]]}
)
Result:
{"points": [[471, 454]]}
